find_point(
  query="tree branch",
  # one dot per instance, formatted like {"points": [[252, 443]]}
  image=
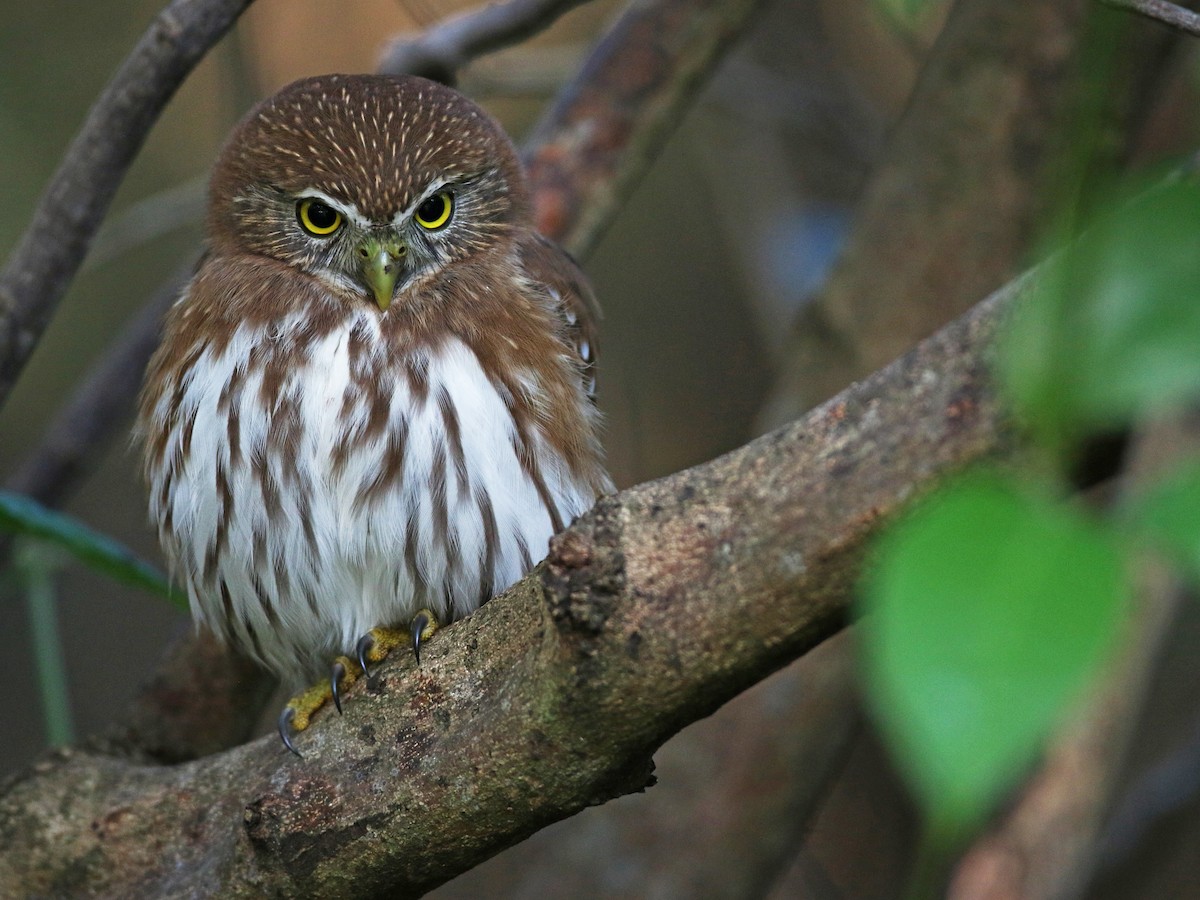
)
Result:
{"points": [[52, 248], [605, 128], [734, 800], [439, 52], [652, 610], [1161, 11]]}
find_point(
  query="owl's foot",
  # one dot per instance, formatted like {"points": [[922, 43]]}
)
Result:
{"points": [[300, 709], [376, 644], [373, 647]]}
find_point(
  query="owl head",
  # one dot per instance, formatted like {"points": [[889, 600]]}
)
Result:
{"points": [[368, 183]]}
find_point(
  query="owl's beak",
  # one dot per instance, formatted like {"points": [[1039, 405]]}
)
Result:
{"points": [[382, 262]]}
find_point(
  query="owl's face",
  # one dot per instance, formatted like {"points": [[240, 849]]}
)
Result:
{"points": [[370, 184]]}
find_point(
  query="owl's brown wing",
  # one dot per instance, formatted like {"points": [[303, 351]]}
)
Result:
{"points": [[553, 268]]}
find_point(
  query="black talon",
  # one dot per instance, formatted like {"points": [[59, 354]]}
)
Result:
{"points": [[285, 728], [335, 680], [417, 628], [365, 643]]}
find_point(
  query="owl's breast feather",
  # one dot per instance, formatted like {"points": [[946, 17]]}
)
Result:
{"points": [[349, 488]]}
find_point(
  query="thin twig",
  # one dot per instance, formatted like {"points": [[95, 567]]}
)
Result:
{"points": [[69, 212], [1161, 11], [439, 52]]}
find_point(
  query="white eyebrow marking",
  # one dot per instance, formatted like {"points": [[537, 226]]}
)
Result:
{"points": [[349, 210], [434, 186]]}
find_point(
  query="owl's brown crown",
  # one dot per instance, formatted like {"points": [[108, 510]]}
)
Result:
{"points": [[376, 141]]}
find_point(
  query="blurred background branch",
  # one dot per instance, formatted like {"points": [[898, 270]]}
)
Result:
{"points": [[1161, 11], [952, 209], [40, 269], [441, 51]]}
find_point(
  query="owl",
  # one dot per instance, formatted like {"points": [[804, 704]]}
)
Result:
{"points": [[372, 404]]}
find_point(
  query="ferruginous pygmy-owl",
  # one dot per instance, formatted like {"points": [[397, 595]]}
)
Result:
{"points": [[372, 404]]}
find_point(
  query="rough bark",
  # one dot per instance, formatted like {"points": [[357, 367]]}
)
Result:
{"points": [[655, 608], [733, 802]]}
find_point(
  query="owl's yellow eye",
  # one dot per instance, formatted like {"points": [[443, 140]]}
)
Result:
{"points": [[318, 218], [435, 212]]}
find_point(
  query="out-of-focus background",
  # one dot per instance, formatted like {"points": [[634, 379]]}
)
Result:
{"points": [[700, 276]]}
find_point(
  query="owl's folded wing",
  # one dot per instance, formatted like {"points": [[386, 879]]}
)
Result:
{"points": [[553, 268]]}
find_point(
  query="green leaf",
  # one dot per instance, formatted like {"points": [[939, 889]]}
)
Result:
{"points": [[25, 516], [1111, 329], [1168, 514], [988, 609]]}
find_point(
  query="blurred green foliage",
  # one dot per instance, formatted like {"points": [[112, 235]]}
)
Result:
{"points": [[1167, 515], [990, 605], [1110, 333], [995, 601]]}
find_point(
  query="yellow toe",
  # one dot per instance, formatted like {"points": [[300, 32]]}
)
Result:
{"points": [[305, 704], [382, 641]]}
